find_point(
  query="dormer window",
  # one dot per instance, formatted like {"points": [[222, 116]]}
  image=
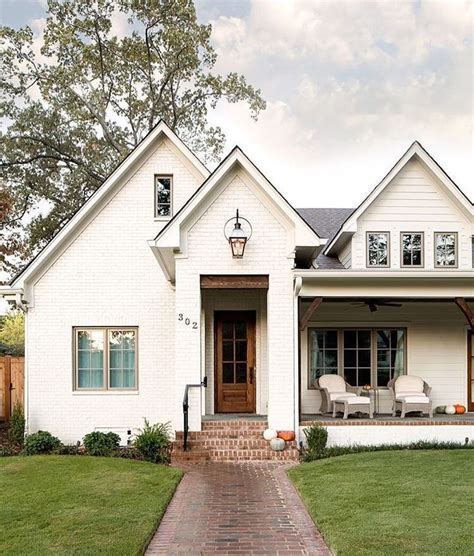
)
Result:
{"points": [[163, 196], [378, 249], [446, 249], [411, 249]]}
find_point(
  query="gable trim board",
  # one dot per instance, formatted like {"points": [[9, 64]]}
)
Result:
{"points": [[101, 196], [349, 226]]}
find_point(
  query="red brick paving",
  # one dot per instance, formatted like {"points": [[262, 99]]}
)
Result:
{"points": [[237, 508]]}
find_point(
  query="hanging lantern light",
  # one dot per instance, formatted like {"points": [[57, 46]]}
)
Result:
{"points": [[238, 237]]}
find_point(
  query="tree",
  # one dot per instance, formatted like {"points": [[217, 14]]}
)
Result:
{"points": [[72, 118], [12, 332]]}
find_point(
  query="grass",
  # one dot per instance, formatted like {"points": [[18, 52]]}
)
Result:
{"points": [[390, 503], [80, 504]]}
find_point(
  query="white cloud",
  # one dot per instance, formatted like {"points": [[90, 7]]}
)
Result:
{"points": [[350, 85]]}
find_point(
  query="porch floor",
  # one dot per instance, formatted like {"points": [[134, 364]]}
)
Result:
{"points": [[386, 419]]}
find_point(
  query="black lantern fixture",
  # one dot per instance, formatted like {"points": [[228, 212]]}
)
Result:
{"points": [[238, 237]]}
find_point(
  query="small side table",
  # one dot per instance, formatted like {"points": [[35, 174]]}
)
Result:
{"points": [[374, 396]]}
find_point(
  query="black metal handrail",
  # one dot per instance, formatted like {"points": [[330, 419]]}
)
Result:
{"points": [[186, 408]]}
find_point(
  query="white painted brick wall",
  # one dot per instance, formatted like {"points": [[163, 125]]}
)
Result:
{"points": [[109, 276]]}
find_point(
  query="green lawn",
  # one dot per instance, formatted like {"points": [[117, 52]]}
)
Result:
{"points": [[80, 504], [407, 502]]}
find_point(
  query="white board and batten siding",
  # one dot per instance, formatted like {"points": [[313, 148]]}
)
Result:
{"points": [[412, 202]]}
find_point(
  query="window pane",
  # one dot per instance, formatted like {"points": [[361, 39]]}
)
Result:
{"points": [[350, 338], [377, 249], [97, 378], [364, 377], [330, 358], [323, 354], [445, 249], [383, 338], [227, 330], [116, 378], [83, 378], [83, 341], [363, 337], [83, 359], [350, 358], [350, 376], [383, 358], [331, 339], [383, 376], [363, 358], [122, 358], [163, 196], [97, 360], [241, 330], [90, 358]]}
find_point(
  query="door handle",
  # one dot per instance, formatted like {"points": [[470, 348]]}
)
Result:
{"points": [[251, 371]]}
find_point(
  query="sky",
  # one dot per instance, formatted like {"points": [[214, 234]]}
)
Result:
{"points": [[349, 86]]}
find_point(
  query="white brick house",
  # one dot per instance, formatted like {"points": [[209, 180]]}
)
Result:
{"points": [[139, 295]]}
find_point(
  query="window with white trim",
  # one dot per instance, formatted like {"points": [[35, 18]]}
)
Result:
{"points": [[105, 358], [446, 249], [362, 356], [378, 249], [412, 249], [163, 196]]}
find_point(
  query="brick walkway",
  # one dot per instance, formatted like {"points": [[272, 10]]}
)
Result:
{"points": [[237, 508]]}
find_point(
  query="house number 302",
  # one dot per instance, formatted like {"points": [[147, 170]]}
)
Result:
{"points": [[187, 321]]}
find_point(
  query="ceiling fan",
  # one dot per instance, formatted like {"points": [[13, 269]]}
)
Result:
{"points": [[373, 304]]}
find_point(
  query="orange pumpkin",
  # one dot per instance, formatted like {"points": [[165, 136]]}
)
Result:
{"points": [[460, 408], [286, 435]]}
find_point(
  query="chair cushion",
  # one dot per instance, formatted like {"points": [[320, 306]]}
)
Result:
{"points": [[413, 399], [408, 383], [333, 383], [359, 400], [341, 395]]}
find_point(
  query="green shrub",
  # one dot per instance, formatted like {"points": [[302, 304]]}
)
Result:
{"points": [[316, 438], [127, 452], [16, 430], [335, 451], [41, 442], [154, 443], [99, 443], [68, 450]]}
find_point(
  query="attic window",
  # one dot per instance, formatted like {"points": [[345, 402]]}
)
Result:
{"points": [[163, 191], [446, 247], [378, 249], [412, 249]]}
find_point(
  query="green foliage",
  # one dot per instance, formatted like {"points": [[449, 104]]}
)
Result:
{"points": [[99, 443], [12, 332], [68, 450], [75, 111], [316, 437], [16, 429], [153, 442], [334, 451], [41, 442]]}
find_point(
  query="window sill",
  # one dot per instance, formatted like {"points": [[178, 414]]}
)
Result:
{"points": [[105, 392], [162, 218]]}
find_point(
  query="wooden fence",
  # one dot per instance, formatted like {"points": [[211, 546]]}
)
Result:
{"points": [[12, 384]]}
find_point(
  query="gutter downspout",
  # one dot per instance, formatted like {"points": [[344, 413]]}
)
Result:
{"points": [[298, 282]]}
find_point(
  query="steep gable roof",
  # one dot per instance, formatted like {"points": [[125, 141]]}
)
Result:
{"points": [[96, 200], [348, 227]]}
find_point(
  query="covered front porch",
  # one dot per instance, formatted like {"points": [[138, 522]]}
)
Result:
{"points": [[370, 330]]}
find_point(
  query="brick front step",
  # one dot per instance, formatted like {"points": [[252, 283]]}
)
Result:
{"points": [[230, 440]]}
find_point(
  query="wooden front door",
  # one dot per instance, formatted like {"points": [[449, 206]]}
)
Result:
{"points": [[234, 355]]}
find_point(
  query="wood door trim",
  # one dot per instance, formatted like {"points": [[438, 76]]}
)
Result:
{"points": [[234, 281], [251, 316]]}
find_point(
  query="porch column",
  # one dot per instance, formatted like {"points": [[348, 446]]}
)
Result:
{"points": [[281, 348], [187, 344]]}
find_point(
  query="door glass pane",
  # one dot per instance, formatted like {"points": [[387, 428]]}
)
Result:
{"points": [[227, 330], [228, 373], [241, 350], [241, 329], [228, 351], [241, 373]]}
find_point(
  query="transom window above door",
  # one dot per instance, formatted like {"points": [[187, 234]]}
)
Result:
{"points": [[378, 249], [362, 356], [411, 248], [163, 196], [105, 358]]}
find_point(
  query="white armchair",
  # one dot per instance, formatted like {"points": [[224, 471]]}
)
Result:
{"points": [[410, 393], [334, 387]]}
